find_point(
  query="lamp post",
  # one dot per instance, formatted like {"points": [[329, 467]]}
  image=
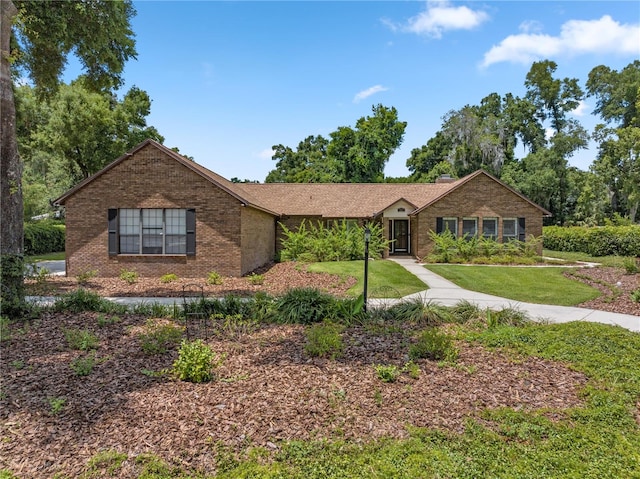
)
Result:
{"points": [[367, 238]]}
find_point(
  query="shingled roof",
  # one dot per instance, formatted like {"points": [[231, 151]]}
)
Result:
{"points": [[329, 200]]}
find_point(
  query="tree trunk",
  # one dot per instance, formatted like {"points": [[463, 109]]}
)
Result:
{"points": [[11, 208]]}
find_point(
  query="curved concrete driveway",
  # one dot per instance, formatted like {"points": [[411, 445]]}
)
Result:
{"points": [[446, 293]]}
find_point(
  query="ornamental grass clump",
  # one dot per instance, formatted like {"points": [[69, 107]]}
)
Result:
{"points": [[305, 306], [435, 345], [196, 362]]}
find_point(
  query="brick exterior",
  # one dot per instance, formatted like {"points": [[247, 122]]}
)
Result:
{"points": [[151, 179], [479, 198]]}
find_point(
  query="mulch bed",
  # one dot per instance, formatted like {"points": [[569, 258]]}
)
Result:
{"points": [[268, 390]]}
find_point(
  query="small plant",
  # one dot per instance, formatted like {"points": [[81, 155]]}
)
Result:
{"points": [[129, 277], [435, 345], [168, 278], [635, 296], [387, 373], [83, 366], [412, 369], [234, 326], [105, 320], [18, 364], [106, 463], [5, 330], [324, 340], [196, 362], [56, 405], [84, 277], [630, 265], [377, 397], [81, 339], [214, 278], [256, 279], [506, 317], [159, 337]]}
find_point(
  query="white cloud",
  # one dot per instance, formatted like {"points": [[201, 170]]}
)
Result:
{"points": [[368, 92], [582, 109], [265, 154], [440, 16], [576, 37]]}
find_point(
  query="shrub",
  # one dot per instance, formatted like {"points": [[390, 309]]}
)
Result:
{"points": [[256, 279], [387, 373], [82, 300], [83, 366], [159, 337], [168, 278], [196, 362], [43, 237], [324, 340], [305, 306], [214, 278], [435, 345], [417, 311], [85, 276], [129, 277], [595, 241], [81, 339], [635, 296]]}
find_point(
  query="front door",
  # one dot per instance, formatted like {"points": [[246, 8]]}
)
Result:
{"points": [[401, 236]]}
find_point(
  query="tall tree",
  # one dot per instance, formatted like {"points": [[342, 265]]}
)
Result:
{"points": [[307, 164], [36, 38]]}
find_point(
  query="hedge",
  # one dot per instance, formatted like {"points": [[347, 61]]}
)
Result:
{"points": [[43, 237], [595, 241]]}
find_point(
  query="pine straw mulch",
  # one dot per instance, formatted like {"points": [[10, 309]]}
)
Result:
{"points": [[268, 390]]}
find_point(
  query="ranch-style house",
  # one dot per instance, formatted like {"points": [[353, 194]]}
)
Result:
{"points": [[154, 211]]}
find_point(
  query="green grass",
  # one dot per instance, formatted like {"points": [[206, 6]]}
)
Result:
{"points": [[611, 260], [46, 257], [544, 285], [383, 274]]}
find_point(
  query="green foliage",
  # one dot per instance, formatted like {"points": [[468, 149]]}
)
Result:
{"points": [[82, 300], [507, 317], [106, 463], [129, 277], [412, 369], [43, 237], [81, 339], [214, 278], [83, 365], [631, 265], [595, 241], [341, 241], [435, 345], [104, 320], [196, 362], [168, 278], [234, 326], [324, 340], [56, 405], [387, 373], [159, 336], [5, 328], [84, 277], [635, 295], [416, 310], [305, 306], [256, 279]]}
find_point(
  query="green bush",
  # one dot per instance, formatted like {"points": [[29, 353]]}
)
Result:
{"points": [[196, 362], [129, 277], [387, 373], [630, 265], [83, 300], [214, 278], [415, 310], [341, 241], [168, 278], [435, 345], [43, 237], [159, 337], [83, 366], [635, 296], [595, 241], [305, 306], [81, 339], [324, 340]]}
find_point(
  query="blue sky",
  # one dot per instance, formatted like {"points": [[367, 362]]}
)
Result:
{"points": [[229, 80]]}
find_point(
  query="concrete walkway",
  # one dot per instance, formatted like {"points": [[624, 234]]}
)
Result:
{"points": [[446, 293]]}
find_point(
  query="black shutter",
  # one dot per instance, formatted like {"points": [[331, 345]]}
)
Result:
{"points": [[439, 225], [191, 232], [522, 232], [112, 217]]}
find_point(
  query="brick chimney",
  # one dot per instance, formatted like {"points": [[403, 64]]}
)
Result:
{"points": [[445, 179]]}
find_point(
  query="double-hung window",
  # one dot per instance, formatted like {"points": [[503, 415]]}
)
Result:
{"points": [[509, 229], [469, 227], [152, 231], [447, 224]]}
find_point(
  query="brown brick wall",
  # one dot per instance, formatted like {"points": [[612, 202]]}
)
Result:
{"points": [[258, 239], [152, 179], [480, 197]]}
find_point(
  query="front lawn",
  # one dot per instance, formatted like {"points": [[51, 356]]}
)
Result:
{"points": [[386, 278], [542, 285]]}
